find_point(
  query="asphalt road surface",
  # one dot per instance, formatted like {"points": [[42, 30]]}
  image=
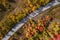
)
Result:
{"points": [[35, 13]]}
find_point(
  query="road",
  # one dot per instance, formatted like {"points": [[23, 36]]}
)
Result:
{"points": [[35, 13]]}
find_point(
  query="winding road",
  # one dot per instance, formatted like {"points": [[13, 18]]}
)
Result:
{"points": [[35, 13]]}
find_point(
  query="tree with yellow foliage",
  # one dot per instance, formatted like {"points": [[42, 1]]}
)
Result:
{"points": [[28, 1], [12, 17], [33, 8]]}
